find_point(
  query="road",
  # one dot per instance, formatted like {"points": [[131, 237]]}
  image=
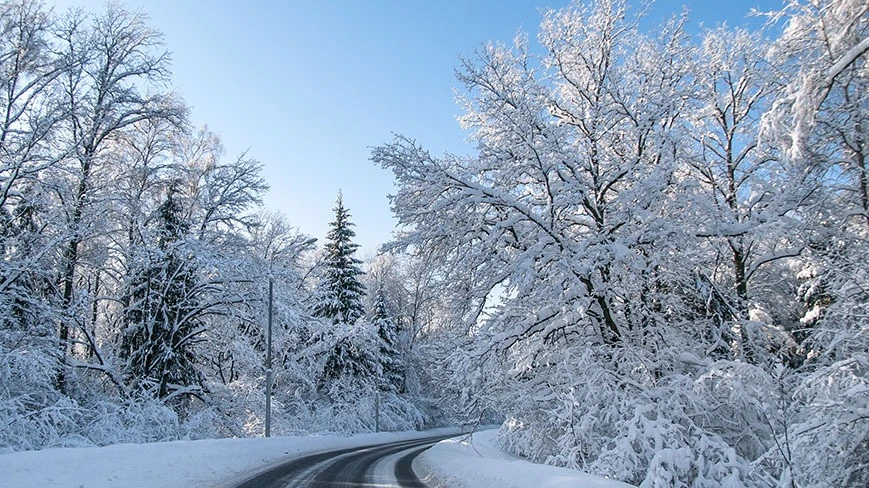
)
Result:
{"points": [[381, 465]]}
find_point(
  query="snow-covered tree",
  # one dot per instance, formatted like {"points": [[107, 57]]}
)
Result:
{"points": [[339, 299], [223, 192], [99, 266], [29, 116], [820, 121], [114, 72], [620, 253], [740, 196], [163, 310], [390, 357], [340, 292], [563, 204]]}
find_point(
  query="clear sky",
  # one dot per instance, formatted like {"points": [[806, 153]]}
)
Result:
{"points": [[309, 87]]}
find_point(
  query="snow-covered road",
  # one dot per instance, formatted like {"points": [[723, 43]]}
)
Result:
{"points": [[469, 462], [384, 465]]}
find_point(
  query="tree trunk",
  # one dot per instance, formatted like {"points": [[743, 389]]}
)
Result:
{"points": [[70, 262]]}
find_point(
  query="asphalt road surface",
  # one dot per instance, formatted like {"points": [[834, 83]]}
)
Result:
{"points": [[381, 465]]}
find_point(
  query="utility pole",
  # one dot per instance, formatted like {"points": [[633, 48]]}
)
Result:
{"points": [[269, 362], [377, 411]]}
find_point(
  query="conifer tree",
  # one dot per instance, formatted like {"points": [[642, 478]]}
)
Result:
{"points": [[392, 367], [339, 299], [339, 294], [162, 323]]}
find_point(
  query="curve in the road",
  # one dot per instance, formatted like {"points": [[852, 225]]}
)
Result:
{"points": [[355, 469], [283, 473], [345, 467], [404, 472]]}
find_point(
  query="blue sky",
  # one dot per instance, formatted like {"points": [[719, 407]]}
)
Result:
{"points": [[308, 87]]}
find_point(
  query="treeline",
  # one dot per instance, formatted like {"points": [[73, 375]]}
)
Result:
{"points": [[136, 260], [655, 263]]}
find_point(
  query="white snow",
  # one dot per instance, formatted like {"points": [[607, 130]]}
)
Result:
{"points": [[475, 461], [470, 462], [180, 464]]}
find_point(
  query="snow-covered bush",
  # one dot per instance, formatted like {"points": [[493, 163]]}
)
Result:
{"points": [[139, 420], [33, 415], [826, 441], [627, 422], [207, 423]]}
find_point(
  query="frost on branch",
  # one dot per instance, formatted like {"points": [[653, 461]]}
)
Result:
{"points": [[627, 244]]}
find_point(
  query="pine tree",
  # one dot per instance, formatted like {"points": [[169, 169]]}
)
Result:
{"points": [[339, 294], [392, 378], [162, 324]]}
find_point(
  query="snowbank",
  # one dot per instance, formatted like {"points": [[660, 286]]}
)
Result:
{"points": [[474, 461], [180, 464]]}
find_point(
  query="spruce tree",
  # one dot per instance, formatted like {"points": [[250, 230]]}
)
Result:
{"points": [[339, 300], [339, 294], [162, 323], [392, 367]]}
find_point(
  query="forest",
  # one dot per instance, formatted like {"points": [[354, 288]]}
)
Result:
{"points": [[652, 267]]}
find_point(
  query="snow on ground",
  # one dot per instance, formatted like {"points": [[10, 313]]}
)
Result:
{"points": [[475, 462], [469, 462], [180, 464]]}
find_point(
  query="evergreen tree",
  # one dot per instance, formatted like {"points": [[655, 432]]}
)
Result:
{"points": [[339, 294], [392, 367], [339, 299], [352, 357], [162, 323]]}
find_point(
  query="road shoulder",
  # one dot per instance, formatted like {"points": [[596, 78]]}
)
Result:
{"points": [[475, 461]]}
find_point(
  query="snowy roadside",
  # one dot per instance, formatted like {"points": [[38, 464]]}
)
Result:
{"points": [[180, 464], [476, 462]]}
